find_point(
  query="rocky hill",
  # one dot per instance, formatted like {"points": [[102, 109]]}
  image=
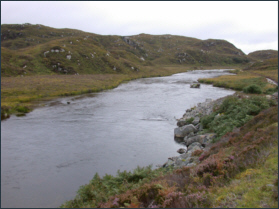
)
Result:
{"points": [[37, 49]]}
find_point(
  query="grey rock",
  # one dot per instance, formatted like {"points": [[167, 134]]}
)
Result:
{"points": [[193, 139], [195, 146], [182, 150], [196, 120], [195, 85], [183, 131]]}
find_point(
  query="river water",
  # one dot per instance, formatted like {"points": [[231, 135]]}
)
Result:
{"points": [[49, 153]]}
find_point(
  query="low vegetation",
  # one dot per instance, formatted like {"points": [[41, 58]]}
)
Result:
{"points": [[252, 79], [234, 113], [25, 92], [246, 155]]}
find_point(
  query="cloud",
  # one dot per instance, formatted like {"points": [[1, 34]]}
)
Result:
{"points": [[246, 23]]}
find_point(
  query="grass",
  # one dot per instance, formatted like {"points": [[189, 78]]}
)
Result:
{"points": [[19, 92], [255, 74], [237, 171], [240, 81], [253, 188], [26, 91]]}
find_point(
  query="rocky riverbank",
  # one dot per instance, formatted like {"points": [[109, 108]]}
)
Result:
{"points": [[191, 135]]}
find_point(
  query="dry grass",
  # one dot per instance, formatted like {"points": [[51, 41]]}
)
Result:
{"points": [[272, 74], [27, 90], [240, 81]]}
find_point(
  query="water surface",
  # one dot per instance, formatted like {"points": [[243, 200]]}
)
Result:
{"points": [[48, 154]]}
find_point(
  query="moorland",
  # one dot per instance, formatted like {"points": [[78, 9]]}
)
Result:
{"points": [[240, 169]]}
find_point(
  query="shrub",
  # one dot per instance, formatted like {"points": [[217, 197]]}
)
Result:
{"points": [[234, 112], [253, 89], [22, 109]]}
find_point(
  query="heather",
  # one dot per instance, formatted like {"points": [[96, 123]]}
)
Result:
{"points": [[245, 155]]}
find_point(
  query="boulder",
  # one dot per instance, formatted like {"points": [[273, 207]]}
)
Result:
{"points": [[182, 150], [195, 85], [193, 147], [190, 140], [183, 131], [181, 123], [204, 139]]}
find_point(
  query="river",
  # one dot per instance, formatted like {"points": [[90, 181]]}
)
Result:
{"points": [[49, 153]]}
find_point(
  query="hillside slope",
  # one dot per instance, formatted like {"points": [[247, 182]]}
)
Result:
{"points": [[263, 54], [36, 49]]}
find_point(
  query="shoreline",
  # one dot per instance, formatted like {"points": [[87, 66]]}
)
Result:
{"points": [[189, 133], [41, 88]]}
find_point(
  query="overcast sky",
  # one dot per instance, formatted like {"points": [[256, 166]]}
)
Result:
{"points": [[250, 26]]}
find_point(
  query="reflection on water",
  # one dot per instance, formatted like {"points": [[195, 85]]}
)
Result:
{"points": [[48, 154]]}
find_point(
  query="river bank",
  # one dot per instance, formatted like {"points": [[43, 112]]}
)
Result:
{"points": [[191, 133], [20, 95], [208, 175], [100, 132]]}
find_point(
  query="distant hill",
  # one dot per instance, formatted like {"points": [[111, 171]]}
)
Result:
{"points": [[263, 54], [37, 49]]}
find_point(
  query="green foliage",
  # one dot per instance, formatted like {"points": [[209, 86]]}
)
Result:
{"points": [[253, 89], [100, 189], [234, 112], [271, 90], [22, 109], [237, 171], [29, 49]]}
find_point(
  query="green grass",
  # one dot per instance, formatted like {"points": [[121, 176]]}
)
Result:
{"points": [[238, 171], [234, 113], [253, 188], [252, 75]]}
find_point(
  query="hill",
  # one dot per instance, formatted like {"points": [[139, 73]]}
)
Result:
{"points": [[263, 55], [36, 49]]}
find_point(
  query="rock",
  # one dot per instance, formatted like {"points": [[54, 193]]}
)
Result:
{"points": [[204, 139], [190, 140], [69, 57], [45, 53], [195, 146], [195, 85], [182, 150], [181, 123], [196, 120], [183, 131]]}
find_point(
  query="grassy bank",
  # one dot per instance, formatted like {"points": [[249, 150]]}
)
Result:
{"points": [[255, 75], [20, 95], [239, 170]]}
